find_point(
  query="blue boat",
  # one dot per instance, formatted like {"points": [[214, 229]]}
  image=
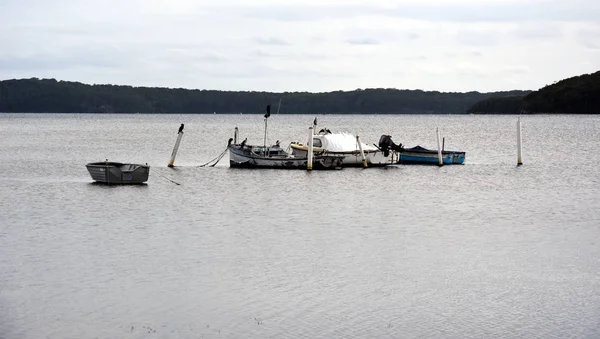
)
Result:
{"points": [[419, 155], [423, 156]]}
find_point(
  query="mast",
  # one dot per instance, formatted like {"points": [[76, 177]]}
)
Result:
{"points": [[267, 115]]}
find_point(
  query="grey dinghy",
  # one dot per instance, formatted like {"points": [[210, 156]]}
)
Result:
{"points": [[118, 173]]}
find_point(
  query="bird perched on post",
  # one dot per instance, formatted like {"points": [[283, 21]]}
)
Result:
{"points": [[180, 129]]}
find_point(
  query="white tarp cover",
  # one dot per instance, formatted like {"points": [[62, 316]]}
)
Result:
{"points": [[342, 142]]}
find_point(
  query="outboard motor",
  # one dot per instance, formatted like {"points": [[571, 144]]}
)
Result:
{"points": [[386, 144]]}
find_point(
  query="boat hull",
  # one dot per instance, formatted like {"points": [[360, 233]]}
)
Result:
{"points": [[422, 156], [240, 157], [350, 158], [114, 173]]}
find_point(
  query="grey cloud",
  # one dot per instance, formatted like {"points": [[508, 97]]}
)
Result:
{"points": [[557, 10], [415, 58], [471, 73], [261, 53], [589, 38], [265, 71], [383, 35], [478, 38], [362, 41], [271, 41], [288, 55], [538, 31], [212, 57], [58, 62], [590, 44], [516, 70]]}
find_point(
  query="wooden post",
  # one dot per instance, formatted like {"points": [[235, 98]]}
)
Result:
{"points": [[519, 159], [362, 153], [174, 153], [235, 136], [310, 149], [440, 161]]}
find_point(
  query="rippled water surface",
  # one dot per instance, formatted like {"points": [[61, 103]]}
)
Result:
{"points": [[482, 250]]}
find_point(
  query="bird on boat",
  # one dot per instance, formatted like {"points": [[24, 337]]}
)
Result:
{"points": [[243, 143]]}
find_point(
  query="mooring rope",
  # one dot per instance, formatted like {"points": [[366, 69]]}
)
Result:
{"points": [[175, 182], [221, 157], [218, 158]]}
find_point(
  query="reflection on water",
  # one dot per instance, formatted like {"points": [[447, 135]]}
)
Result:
{"points": [[483, 250]]}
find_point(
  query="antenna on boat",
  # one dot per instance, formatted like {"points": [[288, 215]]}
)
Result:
{"points": [[267, 115]]}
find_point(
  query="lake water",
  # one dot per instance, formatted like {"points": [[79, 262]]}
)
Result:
{"points": [[482, 250]]}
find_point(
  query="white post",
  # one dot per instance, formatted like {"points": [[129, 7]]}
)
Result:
{"points": [[362, 153], [310, 149], [179, 136], [265, 141], [440, 161], [235, 136], [519, 159]]}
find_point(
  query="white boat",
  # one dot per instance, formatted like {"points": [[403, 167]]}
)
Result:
{"points": [[248, 156], [346, 145], [253, 156]]}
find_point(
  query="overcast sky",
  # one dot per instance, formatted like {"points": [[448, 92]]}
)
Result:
{"points": [[308, 45]]}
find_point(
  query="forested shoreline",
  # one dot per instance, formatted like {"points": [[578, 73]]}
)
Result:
{"points": [[52, 96], [580, 94], [575, 95]]}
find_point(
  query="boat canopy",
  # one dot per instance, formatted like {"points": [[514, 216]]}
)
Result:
{"points": [[342, 142]]}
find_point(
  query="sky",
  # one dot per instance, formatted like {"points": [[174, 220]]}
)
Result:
{"points": [[308, 45]]}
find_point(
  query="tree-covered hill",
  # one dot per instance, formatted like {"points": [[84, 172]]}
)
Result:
{"points": [[580, 94], [51, 96]]}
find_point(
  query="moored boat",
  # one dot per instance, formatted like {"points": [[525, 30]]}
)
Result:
{"points": [[345, 145], [248, 156], [252, 156], [420, 155], [117, 173]]}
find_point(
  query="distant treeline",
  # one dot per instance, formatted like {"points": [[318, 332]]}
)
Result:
{"points": [[580, 94], [51, 96]]}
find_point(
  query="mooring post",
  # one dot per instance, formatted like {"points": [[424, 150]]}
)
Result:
{"points": [[310, 149], [440, 161], [362, 153], [174, 153], [235, 135], [519, 159]]}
